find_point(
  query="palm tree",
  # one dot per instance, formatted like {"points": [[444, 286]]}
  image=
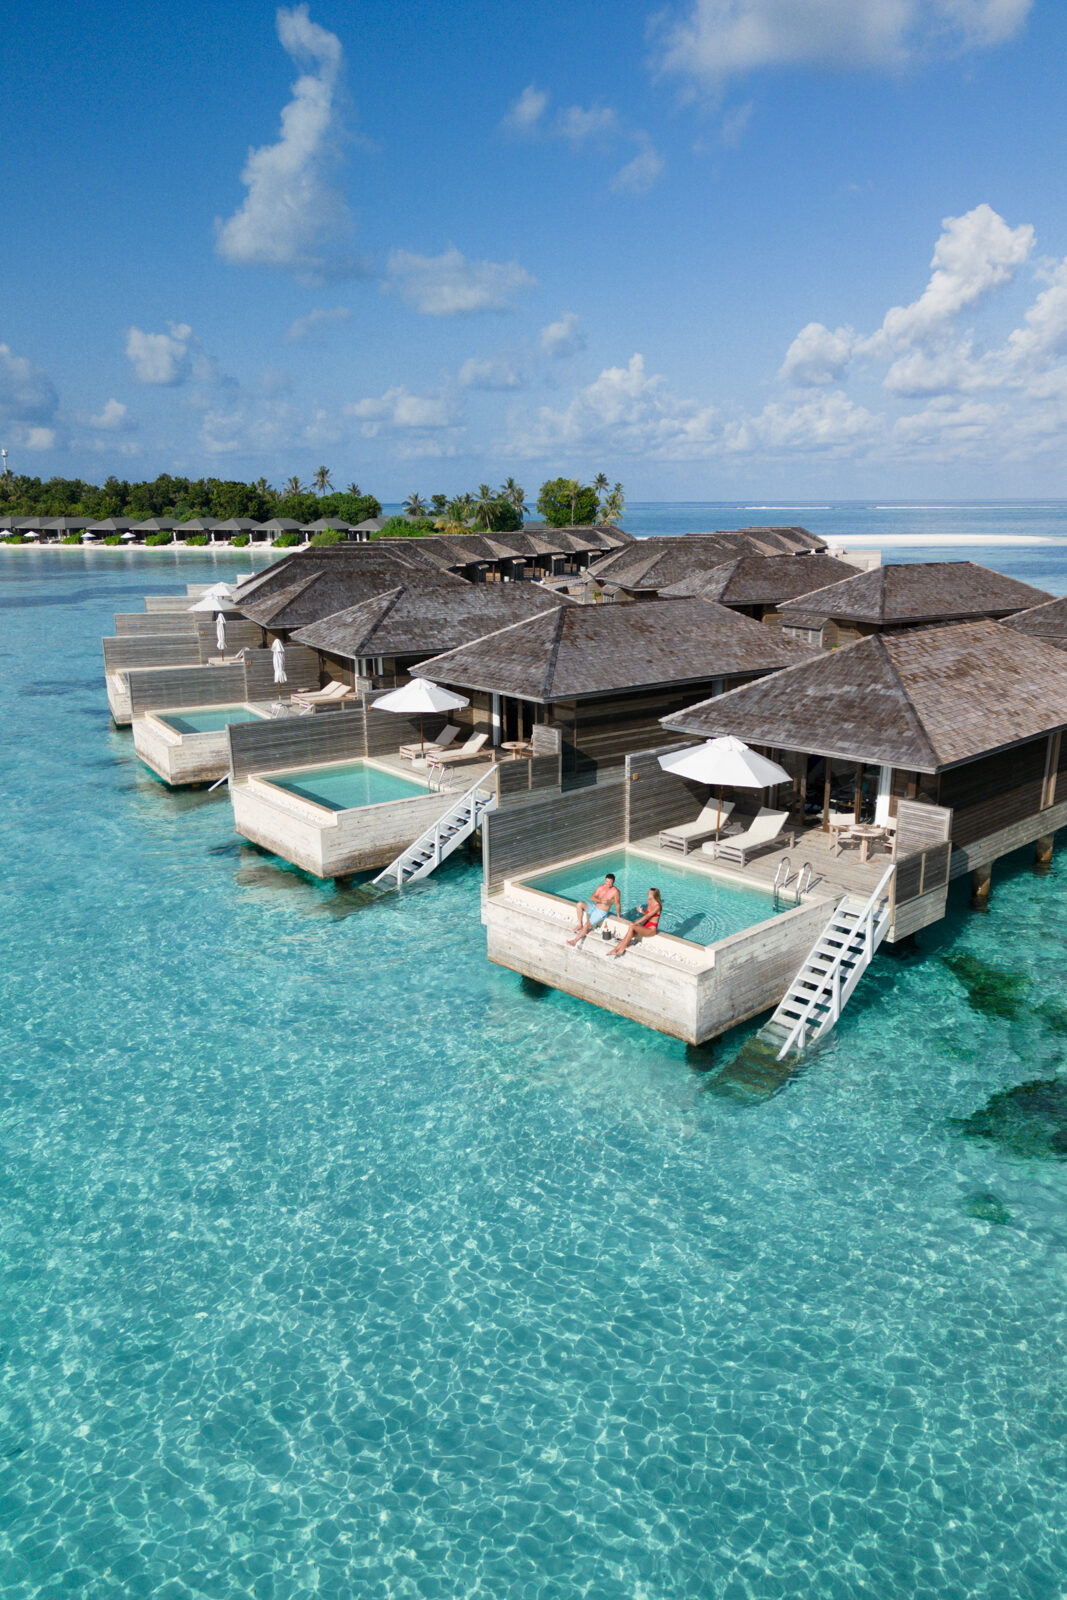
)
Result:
{"points": [[462, 506], [354, 488], [485, 505], [516, 494], [614, 507], [573, 489], [262, 486], [322, 479], [293, 486], [439, 504], [415, 506], [452, 522], [600, 483]]}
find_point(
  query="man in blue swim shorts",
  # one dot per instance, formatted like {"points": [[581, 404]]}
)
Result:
{"points": [[602, 902]]}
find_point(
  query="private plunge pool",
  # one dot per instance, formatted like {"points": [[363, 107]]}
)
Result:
{"points": [[697, 905], [346, 785], [209, 719]]}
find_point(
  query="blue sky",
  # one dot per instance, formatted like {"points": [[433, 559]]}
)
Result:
{"points": [[733, 248]]}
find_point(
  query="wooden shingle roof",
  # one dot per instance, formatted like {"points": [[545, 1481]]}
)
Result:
{"points": [[763, 580], [417, 618], [400, 564], [769, 541], [1047, 622], [916, 592], [921, 700], [579, 651], [323, 592]]}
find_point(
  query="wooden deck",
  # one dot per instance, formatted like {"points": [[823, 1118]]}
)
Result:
{"points": [[832, 875]]}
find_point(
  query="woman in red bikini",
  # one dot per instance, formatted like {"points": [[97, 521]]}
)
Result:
{"points": [[645, 926]]}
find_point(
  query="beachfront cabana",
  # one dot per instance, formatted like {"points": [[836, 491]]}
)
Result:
{"points": [[111, 525], [906, 595], [606, 675], [232, 525]]}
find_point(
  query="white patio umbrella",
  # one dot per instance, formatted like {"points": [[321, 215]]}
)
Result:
{"points": [[725, 763], [419, 697], [220, 633], [213, 599], [277, 655]]}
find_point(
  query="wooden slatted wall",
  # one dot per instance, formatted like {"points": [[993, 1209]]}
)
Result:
{"points": [[186, 686], [919, 825], [655, 799], [532, 833], [274, 743], [994, 792], [603, 732], [387, 731], [301, 671], [160, 624], [521, 777], [151, 650]]}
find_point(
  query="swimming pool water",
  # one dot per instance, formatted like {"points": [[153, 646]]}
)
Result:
{"points": [[212, 721], [696, 905], [336, 1262], [353, 783]]}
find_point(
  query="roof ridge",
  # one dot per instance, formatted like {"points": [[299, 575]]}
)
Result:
{"points": [[882, 642], [553, 654]]}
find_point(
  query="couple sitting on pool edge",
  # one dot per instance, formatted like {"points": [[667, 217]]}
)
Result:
{"points": [[604, 902]]}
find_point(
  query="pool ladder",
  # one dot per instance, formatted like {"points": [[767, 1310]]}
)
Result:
{"points": [[784, 878]]}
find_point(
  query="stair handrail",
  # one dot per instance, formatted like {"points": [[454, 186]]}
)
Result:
{"points": [[396, 867], [831, 980]]}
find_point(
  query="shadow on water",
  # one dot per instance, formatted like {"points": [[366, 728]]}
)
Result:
{"points": [[994, 991], [985, 1206], [1029, 1120]]}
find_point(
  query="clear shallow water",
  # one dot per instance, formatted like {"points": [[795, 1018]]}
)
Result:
{"points": [[207, 721], [354, 783], [333, 1262], [696, 906]]}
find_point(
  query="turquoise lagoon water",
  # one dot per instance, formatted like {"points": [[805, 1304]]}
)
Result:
{"points": [[336, 1262], [212, 721], [348, 784], [696, 905]]}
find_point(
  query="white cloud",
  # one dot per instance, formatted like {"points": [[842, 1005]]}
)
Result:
{"points": [[449, 285], [317, 317], [577, 123], [398, 408], [716, 40], [563, 338], [525, 115], [160, 358], [826, 424], [638, 175], [624, 409], [950, 427], [293, 216], [489, 372], [817, 355], [975, 254], [114, 418], [37, 438], [26, 393]]}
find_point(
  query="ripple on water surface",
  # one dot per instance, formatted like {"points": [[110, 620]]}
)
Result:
{"points": [[334, 1263]]}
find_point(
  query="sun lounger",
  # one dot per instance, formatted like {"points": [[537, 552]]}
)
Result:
{"points": [[432, 747], [764, 830], [447, 759], [687, 835], [331, 695]]}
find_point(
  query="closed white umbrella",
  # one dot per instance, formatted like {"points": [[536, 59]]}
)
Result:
{"points": [[725, 763], [220, 633], [419, 697], [277, 655]]}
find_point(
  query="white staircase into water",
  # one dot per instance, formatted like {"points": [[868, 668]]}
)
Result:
{"points": [[822, 988], [450, 830]]}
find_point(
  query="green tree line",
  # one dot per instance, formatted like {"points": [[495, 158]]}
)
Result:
{"points": [[562, 502], [183, 499]]}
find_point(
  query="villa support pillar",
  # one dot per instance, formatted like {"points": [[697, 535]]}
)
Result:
{"points": [[981, 883], [1043, 853]]}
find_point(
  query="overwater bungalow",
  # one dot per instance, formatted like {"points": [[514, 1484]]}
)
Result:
{"points": [[910, 758], [605, 675], [758, 586], [906, 595], [646, 568], [381, 639]]}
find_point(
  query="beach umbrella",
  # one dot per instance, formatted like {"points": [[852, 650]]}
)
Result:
{"points": [[128, 538], [277, 655], [725, 763], [419, 697], [220, 633]]}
